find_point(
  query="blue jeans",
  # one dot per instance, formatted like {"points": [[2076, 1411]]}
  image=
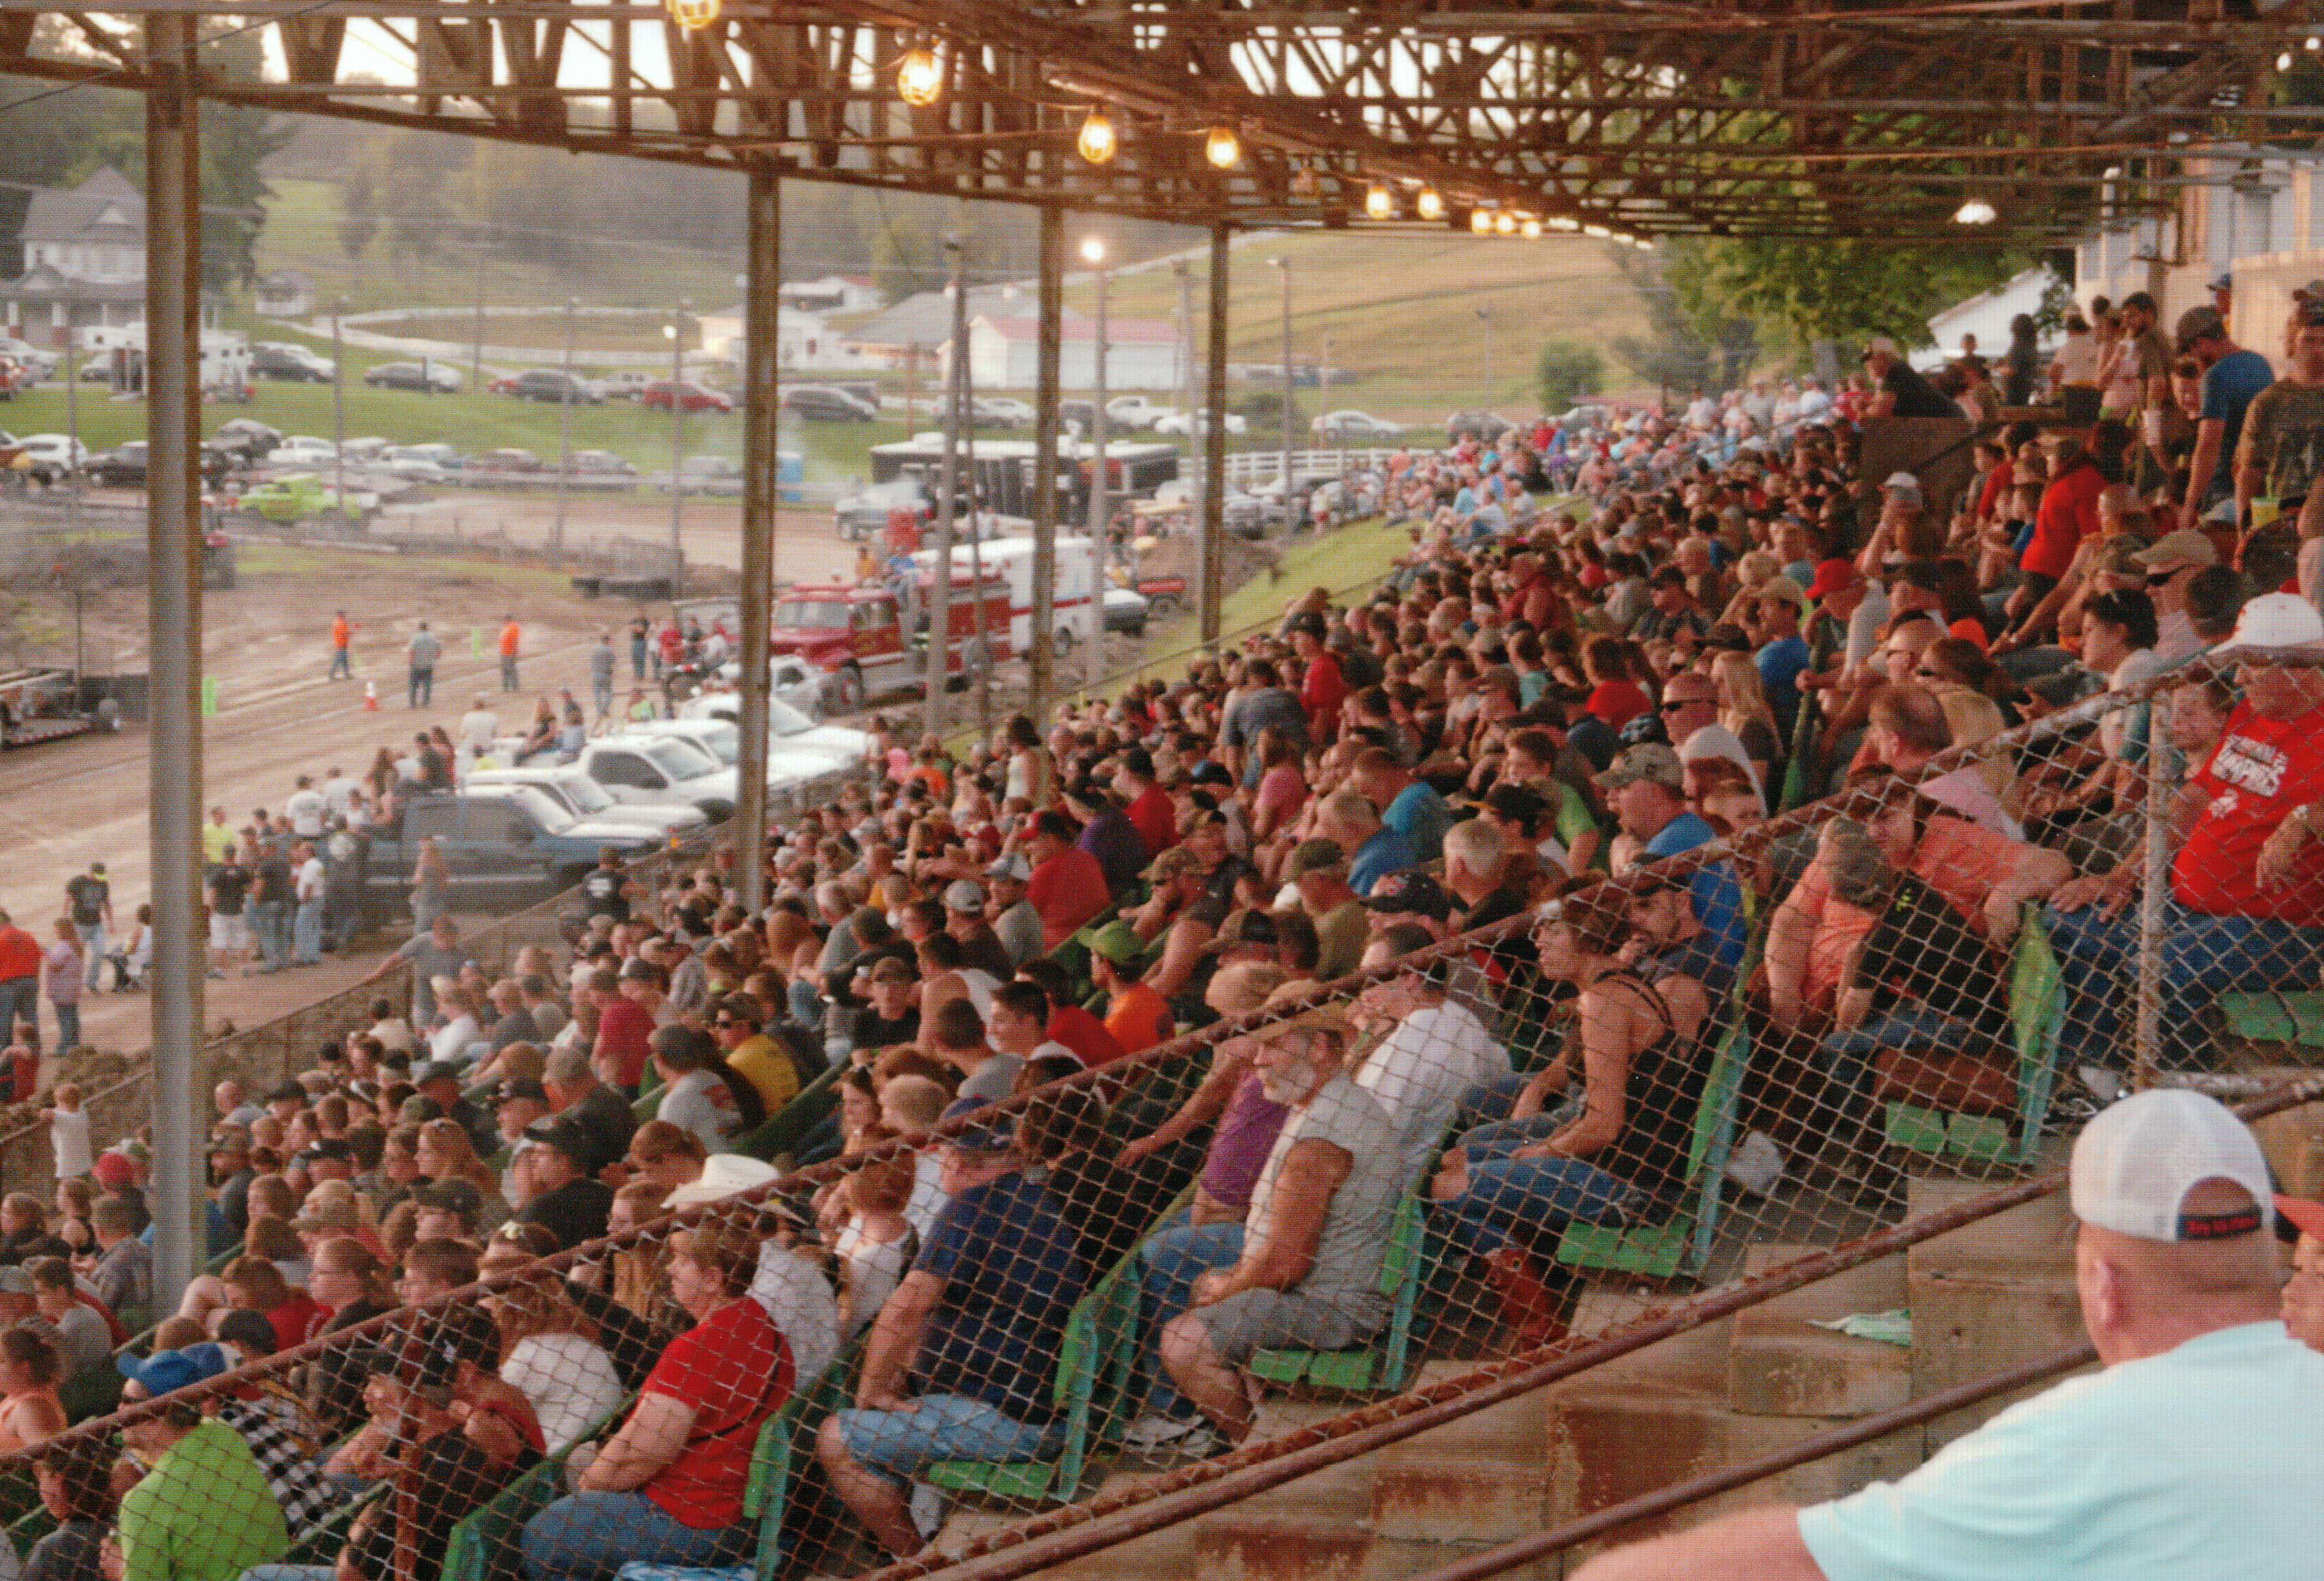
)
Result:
{"points": [[306, 934], [587, 1537], [270, 925], [341, 669], [1169, 1262], [1486, 1100], [942, 1426], [289, 1573], [20, 1000], [68, 1025], [1537, 1194], [1908, 1026], [1501, 1138], [2203, 956], [92, 944]]}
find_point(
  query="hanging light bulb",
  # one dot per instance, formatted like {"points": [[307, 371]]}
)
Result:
{"points": [[1531, 228], [1976, 211], [919, 77], [693, 16], [1480, 221], [1595, 230], [1100, 140], [1379, 203], [2315, 42], [1222, 148], [1505, 223], [1429, 204], [2284, 61]]}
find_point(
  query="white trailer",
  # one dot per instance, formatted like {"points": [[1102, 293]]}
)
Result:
{"points": [[1077, 613]]}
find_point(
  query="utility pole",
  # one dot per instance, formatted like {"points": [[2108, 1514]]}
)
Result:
{"points": [[981, 672], [1282, 267], [565, 430], [477, 349], [1051, 312], [338, 410], [676, 330], [933, 668], [72, 420], [1094, 665]]}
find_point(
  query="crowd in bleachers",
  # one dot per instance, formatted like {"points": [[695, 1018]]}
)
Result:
{"points": [[1550, 689]]}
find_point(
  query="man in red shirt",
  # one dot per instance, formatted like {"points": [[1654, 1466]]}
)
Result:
{"points": [[624, 1025], [2246, 903], [20, 978], [2068, 513], [1325, 688], [1148, 809], [1067, 887]]}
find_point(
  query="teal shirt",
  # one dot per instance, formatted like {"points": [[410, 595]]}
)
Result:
{"points": [[2203, 1464], [204, 1513]]}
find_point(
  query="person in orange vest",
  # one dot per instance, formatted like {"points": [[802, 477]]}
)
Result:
{"points": [[510, 639], [342, 636]]}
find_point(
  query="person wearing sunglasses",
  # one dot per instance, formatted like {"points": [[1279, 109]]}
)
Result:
{"points": [[2170, 566]]}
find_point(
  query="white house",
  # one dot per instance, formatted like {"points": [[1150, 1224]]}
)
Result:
{"points": [[833, 293], [84, 261], [803, 341], [284, 293], [1141, 354]]}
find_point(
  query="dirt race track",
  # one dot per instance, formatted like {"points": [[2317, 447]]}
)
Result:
{"points": [[67, 804]]}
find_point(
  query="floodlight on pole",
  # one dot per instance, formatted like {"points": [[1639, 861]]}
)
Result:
{"points": [[919, 77], [1222, 148], [1100, 138], [1093, 251]]}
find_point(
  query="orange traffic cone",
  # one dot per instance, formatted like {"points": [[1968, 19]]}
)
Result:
{"points": [[370, 697]]}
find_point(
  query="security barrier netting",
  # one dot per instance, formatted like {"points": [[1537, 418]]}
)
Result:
{"points": [[1536, 1107]]}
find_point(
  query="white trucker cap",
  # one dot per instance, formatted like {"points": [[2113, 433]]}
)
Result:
{"points": [[2135, 1161]]}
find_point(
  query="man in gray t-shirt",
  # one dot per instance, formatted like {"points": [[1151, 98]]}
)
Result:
{"points": [[436, 953], [1318, 1227]]}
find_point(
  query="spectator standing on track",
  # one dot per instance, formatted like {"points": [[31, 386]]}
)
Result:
{"points": [[601, 675], [90, 898], [60, 975], [342, 636], [511, 641], [419, 656], [307, 895]]}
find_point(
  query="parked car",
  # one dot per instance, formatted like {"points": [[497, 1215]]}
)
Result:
{"points": [[792, 681], [865, 513], [603, 464], [1198, 422], [788, 767], [1348, 425], [123, 465], [659, 771], [508, 458], [580, 796], [826, 403], [431, 377], [1126, 611], [303, 450], [51, 457], [1000, 412], [278, 359], [1483, 426], [286, 500], [551, 385], [507, 846], [626, 385], [1136, 411], [420, 463], [688, 396], [790, 723], [704, 475], [253, 439]]}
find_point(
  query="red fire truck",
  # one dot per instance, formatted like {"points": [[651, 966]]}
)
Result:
{"points": [[868, 640]]}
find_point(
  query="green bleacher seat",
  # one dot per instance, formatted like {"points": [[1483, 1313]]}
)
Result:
{"points": [[484, 1542], [788, 1126], [1095, 1368], [2037, 1015], [1380, 1365], [2275, 1018]]}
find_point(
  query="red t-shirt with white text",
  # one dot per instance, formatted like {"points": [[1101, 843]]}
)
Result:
{"points": [[2263, 771], [735, 1370]]}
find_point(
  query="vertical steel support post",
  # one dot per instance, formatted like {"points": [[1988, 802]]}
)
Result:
{"points": [[936, 669], [2147, 1045], [762, 464], [1041, 662], [1214, 451], [1100, 490], [173, 533]]}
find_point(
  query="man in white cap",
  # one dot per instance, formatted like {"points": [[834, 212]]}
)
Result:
{"points": [[2193, 1456]]}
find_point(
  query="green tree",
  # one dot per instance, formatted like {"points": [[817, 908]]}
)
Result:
{"points": [[1844, 290], [1566, 372], [1692, 346], [359, 219]]}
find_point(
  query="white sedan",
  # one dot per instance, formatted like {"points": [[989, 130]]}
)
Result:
{"points": [[1351, 424], [1180, 422]]}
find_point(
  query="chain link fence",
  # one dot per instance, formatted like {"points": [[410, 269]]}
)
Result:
{"points": [[1490, 1111]]}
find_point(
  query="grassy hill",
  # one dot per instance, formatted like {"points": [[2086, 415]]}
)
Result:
{"points": [[1401, 312]]}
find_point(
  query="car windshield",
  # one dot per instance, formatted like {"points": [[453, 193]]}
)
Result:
{"points": [[681, 760], [785, 720], [720, 739], [581, 791], [547, 811], [814, 614]]}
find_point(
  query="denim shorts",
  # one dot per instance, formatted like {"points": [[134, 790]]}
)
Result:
{"points": [[942, 1426]]}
